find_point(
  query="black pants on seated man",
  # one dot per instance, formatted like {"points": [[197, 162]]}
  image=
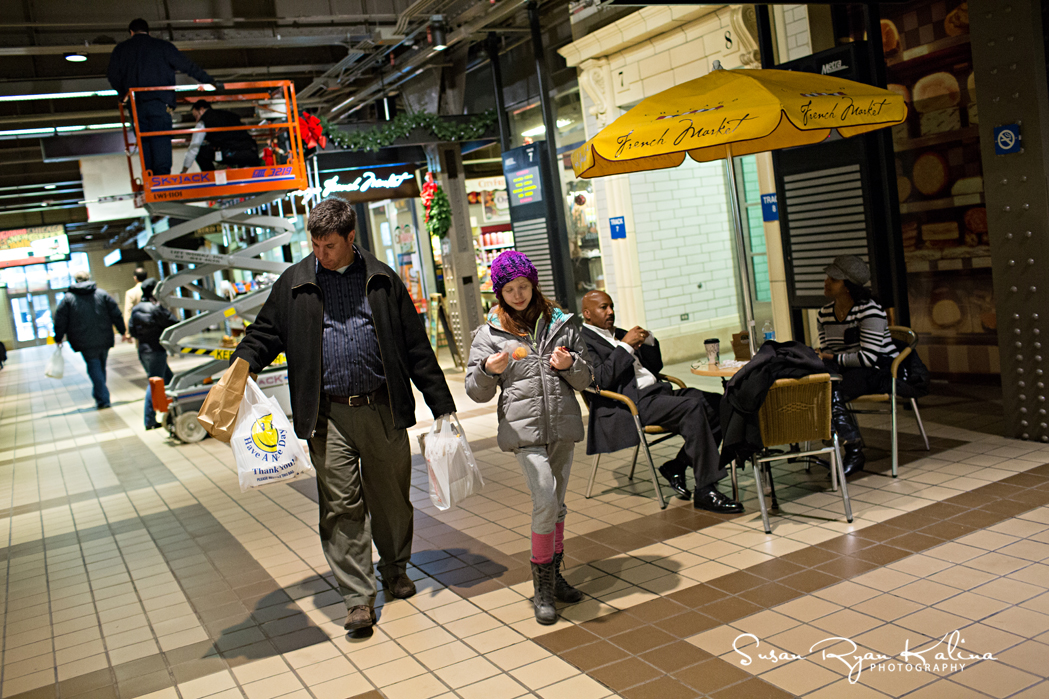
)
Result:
{"points": [[692, 414]]}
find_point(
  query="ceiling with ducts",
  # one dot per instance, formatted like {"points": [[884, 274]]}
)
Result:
{"points": [[343, 56]]}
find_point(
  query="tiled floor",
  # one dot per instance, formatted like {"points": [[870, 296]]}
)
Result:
{"points": [[133, 566]]}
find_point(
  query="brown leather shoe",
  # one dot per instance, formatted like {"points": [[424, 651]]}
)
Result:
{"points": [[360, 617], [400, 587]]}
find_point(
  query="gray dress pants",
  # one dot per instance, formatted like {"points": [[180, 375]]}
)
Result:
{"points": [[364, 470]]}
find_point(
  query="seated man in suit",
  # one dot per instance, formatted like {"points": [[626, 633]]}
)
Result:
{"points": [[628, 362]]}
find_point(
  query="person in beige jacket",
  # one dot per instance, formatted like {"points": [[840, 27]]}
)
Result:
{"points": [[132, 298]]}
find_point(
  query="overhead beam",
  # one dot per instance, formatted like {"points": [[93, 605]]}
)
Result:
{"points": [[260, 42]]}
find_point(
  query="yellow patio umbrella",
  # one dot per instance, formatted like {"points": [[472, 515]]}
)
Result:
{"points": [[727, 113]]}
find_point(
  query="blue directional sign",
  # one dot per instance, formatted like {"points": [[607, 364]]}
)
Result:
{"points": [[1007, 139], [769, 208], [618, 225]]}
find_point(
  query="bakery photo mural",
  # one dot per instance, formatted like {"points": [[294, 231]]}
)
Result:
{"points": [[939, 176]]}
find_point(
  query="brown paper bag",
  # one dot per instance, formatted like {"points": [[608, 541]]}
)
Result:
{"points": [[218, 415]]}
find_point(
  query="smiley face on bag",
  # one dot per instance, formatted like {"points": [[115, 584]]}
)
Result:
{"points": [[264, 435]]}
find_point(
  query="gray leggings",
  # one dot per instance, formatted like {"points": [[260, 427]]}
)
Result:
{"points": [[547, 468]]}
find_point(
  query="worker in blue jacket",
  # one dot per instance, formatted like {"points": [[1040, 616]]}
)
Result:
{"points": [[144, 61]]}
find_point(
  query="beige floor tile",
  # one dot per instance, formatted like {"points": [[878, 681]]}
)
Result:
{"points": [[517, 655], [766, 623], [800, 677], [847, 623], [394, 671], [259, 670], [987, 540], [807, 608], [118, 656], [346, 686], [421, 687], [543, 673], [919, 566], [887, 607], [467, 672], [425, 640], [1023, 622], [995, 679], [444, 655], [971, 606], [961, 577], [945, 688], [275, 686], [1006, 590], [578, 687], [497, 598], [502, 686], [207, 685], [407, 626], [82, 667], [25, 683], [1029, 656], [846, 593], [310, 655], [980, 639], [29, 666]]}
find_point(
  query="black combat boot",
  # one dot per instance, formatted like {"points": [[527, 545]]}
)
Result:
{"points": [[563, 591], [543, 575]]}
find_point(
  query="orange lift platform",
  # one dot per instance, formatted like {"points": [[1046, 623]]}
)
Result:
{"points": [[277, 97], [232, 198]]}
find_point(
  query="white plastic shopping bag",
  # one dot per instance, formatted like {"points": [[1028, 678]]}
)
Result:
{"points": [[450, 463], [264, 445], [56, 366]]}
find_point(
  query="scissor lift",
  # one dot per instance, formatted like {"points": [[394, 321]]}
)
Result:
{"points": [[233, 194]]}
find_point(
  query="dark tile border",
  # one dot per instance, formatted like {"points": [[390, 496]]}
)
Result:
{"points": [[636, 652]]}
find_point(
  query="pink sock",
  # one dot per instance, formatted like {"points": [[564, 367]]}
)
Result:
{"points": [[559, 537], [542, 548]]}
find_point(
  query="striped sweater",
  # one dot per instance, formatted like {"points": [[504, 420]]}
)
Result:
{"points": [[860, 340]]}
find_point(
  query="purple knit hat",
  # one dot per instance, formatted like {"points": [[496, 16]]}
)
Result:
{"points": [[510, 265]]}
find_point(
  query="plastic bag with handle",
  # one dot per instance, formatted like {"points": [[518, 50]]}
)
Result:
{"points": [[56, 366], [264, 445], [450, 464]]}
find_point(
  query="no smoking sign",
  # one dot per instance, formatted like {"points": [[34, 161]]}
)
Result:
{"points": [[1007, 139]]}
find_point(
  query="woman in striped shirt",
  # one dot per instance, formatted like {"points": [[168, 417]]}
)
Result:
{"points": [[855, 343]]}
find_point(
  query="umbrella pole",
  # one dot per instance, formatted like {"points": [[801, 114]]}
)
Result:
{"points": [[741, 250]]}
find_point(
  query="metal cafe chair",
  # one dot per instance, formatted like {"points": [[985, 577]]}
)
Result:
{"points": [[904, 336], [795, 411], [643, 432]]}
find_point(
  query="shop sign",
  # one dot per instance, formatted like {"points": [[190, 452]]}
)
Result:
{"points": [[618, 226], [370, 185], [1007, 139], [769, 208], [485, 184]]}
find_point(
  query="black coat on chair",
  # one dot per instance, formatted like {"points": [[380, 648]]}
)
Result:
{"points": [[611, 425]]}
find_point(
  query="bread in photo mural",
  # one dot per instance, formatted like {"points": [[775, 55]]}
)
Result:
{"points": [[957, 21], [890, 36], [930, 173], [936, 98]]}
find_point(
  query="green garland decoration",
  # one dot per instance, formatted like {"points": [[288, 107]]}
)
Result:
{"points": [[402, 125], [439, 214]]}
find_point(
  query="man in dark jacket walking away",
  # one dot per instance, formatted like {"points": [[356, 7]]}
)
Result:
{"points": [[87, 315], [148, 321], [143, 61], [353, 341], [629, 362], [238, 148]]}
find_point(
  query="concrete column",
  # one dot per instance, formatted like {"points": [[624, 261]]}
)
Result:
{"points": [[461, 285], [1010, 74]]}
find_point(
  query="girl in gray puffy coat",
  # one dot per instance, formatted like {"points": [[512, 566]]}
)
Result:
{"points": [[535, 353]]}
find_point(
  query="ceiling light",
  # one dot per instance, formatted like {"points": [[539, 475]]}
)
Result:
{"points": [[541, 129], [76, 57], [50, 186]]}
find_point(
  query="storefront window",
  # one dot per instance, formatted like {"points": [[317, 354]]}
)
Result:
{"points": [[14, 278], [526, 124], [584, 244]]}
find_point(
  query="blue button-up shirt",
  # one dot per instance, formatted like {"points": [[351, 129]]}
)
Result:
{"points": [[350, 354]]}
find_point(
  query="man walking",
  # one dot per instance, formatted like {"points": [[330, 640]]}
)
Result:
{"points": [[132, 297], [87, 315], [236, 148], [143, 61], [353, 341], [148, 322], [629, 362]]}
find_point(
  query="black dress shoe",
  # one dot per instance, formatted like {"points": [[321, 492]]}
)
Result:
{"points": [[712, 500], [676, 478], [853, 458]]}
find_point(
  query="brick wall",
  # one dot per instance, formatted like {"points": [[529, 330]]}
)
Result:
{"points": [[796, 27], [684, 239]]}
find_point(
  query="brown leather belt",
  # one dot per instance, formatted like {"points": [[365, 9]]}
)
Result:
{"points": [[357, 401]]}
